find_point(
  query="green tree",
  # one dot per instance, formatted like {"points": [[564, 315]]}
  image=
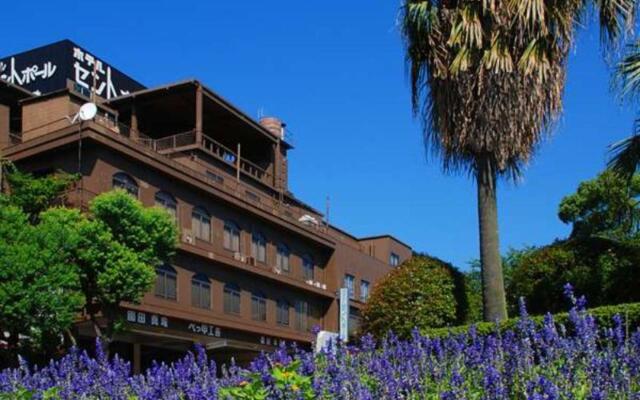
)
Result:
{"points": [[61, 258], [600, 256], [424, 292], [487, 78], [605, 206], [39, 290], [34, 195], [122, 243]]}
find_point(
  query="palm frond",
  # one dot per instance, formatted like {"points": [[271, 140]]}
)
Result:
{"points": [[628, 71], [625, 154], [616, 19], [487, 76]]}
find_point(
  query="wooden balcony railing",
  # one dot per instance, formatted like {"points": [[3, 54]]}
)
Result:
{"points": [[273, 204]]}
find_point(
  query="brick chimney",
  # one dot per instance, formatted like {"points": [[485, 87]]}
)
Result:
{"points": [[280, 166], [273, 125]]}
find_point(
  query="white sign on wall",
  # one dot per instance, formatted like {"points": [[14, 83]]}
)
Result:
{"points": [[344, 314]]}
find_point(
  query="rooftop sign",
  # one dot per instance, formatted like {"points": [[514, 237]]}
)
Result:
{"points": [[47, 69]]}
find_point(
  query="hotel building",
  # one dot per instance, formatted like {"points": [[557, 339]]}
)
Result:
{"points": [[255, 265]]}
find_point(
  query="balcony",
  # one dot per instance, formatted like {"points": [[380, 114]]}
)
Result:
{"points": [[189, 140], [224, 179]]}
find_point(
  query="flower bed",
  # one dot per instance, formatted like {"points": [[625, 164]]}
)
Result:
{"points": [[531, 361]]}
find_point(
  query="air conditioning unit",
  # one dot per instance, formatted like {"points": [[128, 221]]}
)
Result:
{"points": [[187, 237], [317, 284], [277, 270], [324, 286], [309, 282], [239, 257], [308, 220]]}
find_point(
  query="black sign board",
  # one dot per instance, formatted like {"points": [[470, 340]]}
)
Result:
{"points": [[47, 69]]}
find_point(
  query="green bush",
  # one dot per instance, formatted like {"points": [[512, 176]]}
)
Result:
{"points": [[604, 318], [423, 292], [538, 275]]}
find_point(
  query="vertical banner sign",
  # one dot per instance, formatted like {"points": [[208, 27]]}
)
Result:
{"points": [[344, 314]]}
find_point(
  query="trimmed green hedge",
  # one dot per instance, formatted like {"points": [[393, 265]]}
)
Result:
{"points": [[603, 315]]}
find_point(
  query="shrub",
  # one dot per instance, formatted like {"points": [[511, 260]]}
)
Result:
{"points": [[423, 292], [602, 315]]}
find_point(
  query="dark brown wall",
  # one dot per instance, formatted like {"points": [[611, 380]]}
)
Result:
{"points": [[382, 247], [4, 126], [39, 118]]}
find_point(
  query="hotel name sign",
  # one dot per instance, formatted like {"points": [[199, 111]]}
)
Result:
{"points": [[47, 69], [161, 321]]}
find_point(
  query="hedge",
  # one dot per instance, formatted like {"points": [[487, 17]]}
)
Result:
{"points": [[603, 315]]}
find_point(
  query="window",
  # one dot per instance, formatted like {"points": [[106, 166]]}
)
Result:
{"points": [[282, 258], [394, 260], [355, 321], [124, 181], [166, 282], [258, 306], [201, 223], [252, 196], [231, 298], [364, 290], [259, 247], [231, 236], [349, 284], [282, 312], [201, 291], [307, 268], [168, 202], [215, 177], [302, 315]]}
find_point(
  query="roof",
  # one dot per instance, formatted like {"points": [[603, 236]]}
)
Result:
{"points": [[385, 237], [215, 96]]}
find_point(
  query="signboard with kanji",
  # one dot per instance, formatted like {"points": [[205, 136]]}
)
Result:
{"points": [[48, 68]]}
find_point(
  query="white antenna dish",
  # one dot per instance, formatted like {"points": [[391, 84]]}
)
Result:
{"points": [[88, 112]]}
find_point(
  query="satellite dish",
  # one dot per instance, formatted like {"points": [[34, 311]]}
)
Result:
{"points": [[88, 111]]}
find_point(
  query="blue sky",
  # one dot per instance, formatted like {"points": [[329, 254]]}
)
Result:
{"points": [[334, 72]]}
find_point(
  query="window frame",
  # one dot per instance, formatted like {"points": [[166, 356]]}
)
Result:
{"points": [[163, 274], [231, 236], [302, 315], [259, 247], [231, 292], [364, 294], [283, 253], [281, 312], [124, 181], [258, 306], [308, 266], [394, 259], [201, 284], [349, 282], [167, 201], [199, 218]]}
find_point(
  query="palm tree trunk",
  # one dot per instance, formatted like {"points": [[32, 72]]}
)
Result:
{"points": [[493, 296]]}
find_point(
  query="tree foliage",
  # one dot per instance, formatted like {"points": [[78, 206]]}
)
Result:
{"points": [[55, 261], [423, 292], [122, 244], [599, 258], [606, 206], [34, 195], [39, 290]]}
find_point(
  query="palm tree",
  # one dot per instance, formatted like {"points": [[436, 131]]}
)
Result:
{"points": [[625, 154], [487, 78]]}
